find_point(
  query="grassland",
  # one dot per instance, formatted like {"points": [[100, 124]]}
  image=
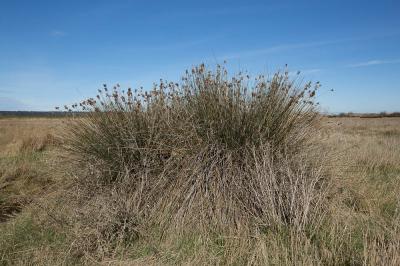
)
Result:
{"points": [[217, 170], [368, 150], [24, 161]]}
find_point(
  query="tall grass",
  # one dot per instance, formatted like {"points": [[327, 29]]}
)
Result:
{"points": [[216, 154]]}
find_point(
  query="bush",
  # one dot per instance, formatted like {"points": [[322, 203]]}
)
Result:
{"points": [[216, 153]]}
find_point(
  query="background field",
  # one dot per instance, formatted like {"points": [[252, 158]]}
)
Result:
{"points": [[368, 178]]}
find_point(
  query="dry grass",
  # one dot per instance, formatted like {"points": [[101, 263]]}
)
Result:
{"points": [[23, 170], [217, 155], [351, 220], [370, 184], [17, 133], [366, 215]]}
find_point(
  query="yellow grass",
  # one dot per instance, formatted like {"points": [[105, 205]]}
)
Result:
{"points": [[15, 131], [366, 212], [24, 163]]}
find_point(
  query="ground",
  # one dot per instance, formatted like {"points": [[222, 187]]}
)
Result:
{"points": [[367, 155]]}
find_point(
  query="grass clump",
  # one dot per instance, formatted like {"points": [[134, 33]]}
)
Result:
{"points": [[216, 154]]}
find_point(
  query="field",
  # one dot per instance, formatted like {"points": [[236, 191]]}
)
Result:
{"points": [[218, 170], [368, 152]]}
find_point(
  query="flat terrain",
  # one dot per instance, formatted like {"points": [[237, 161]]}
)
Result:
{"points": [[14, 131], [24, 161], [368, 176]]}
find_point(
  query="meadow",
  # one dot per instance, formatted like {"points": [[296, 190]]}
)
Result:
{"points": [[67, 198]]}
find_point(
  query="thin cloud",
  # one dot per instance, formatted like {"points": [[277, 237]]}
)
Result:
{"points": [[287, 47], [280, 48], [311, 71], [58, 33], [374, 62]]}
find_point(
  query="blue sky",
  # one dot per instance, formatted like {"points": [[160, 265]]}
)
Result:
{"points": [[58, 52]]}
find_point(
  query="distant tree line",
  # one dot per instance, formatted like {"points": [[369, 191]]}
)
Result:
{"points": [[367, 115], [48, 114], [56, 114]]}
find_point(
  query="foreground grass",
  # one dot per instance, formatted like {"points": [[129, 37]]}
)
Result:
{"points": [[366, 212], [26, 242], [26, 177], [232, 157]]}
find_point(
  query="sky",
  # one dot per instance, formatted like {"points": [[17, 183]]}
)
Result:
{"points": [[58, 52]]}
